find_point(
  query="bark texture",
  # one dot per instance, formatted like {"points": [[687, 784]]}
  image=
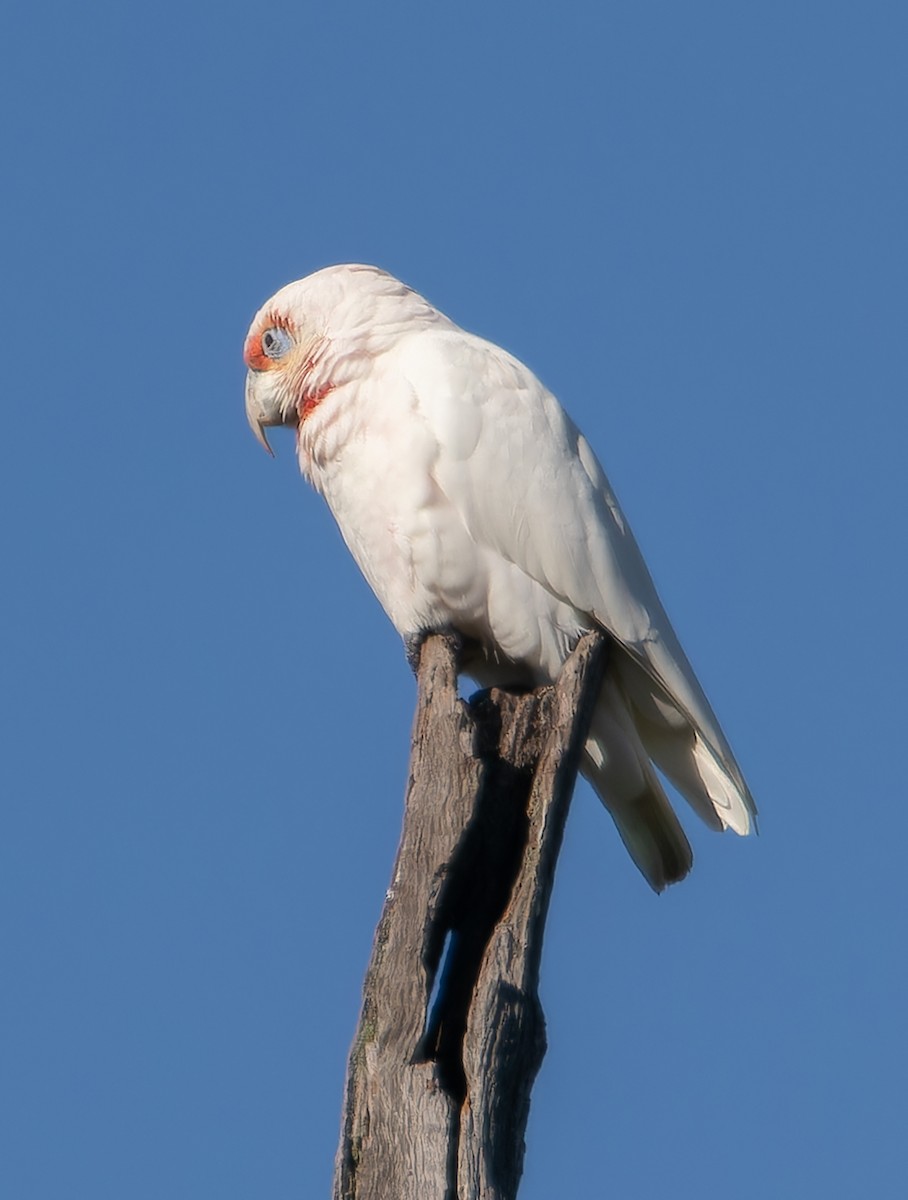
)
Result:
{"points": [[451, 1033]]}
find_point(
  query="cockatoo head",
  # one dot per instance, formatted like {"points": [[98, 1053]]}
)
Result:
{"points": [[322, 332]]}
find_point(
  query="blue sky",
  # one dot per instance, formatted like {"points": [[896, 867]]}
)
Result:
{"points": [[690, 221]]}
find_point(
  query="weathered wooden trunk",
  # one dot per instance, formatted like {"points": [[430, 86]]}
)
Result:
{"points": [[451, 1034]]}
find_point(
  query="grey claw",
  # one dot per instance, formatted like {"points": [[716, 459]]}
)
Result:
{"points": [[413, 645]]}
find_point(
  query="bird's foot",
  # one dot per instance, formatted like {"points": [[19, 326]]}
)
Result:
{"points": [[413, 645]]}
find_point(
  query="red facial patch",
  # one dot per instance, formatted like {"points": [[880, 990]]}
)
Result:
{"points": [[312, 400], [253, 354]]}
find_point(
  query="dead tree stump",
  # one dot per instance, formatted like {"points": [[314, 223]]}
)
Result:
{"points": [[451, 1033]]}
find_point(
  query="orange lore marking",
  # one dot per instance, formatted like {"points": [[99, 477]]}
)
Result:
{"points": [[253, 354]]}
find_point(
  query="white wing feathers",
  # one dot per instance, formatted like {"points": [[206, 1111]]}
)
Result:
{"points": [[469, 499], [527, 485]]}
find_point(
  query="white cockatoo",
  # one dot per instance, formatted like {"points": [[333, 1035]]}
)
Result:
{"points": [[470, 501]]}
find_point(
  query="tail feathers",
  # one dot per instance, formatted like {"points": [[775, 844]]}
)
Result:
{"points": [[727, 791], [654, 839], [719, 798], [618, 767], [672, 749], [687, 745]]}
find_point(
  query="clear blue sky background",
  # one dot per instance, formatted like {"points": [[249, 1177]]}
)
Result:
{"points": [[690, 220]]}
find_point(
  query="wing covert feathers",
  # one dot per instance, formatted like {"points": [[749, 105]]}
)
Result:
{"points": [[527, 486]]}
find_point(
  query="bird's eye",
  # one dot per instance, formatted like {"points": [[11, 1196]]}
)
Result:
{"points": [[276, 342]]}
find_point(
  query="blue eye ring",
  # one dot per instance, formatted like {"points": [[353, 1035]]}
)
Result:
{"points": [[276, 342]]}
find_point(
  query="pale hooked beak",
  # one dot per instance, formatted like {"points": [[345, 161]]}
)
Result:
{"points": [[260, 413]]}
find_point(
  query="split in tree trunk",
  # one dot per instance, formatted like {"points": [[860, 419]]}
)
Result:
{"points": [[451, 1034]]}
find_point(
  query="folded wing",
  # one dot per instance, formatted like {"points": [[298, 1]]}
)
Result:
{"points": [[527, 485]]}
